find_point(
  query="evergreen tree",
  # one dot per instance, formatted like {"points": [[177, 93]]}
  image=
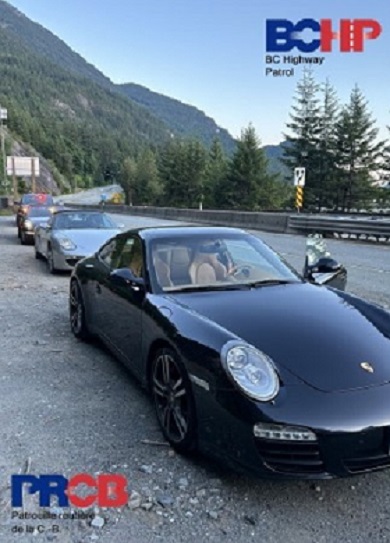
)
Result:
{"points": [[301, 149], [216, 172], [195, 157], [128, 178], [248, 185], [182, 167], [326, 195], [169, 166], [147, 187], [358, 152]]}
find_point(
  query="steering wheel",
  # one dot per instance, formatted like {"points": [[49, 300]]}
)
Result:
{"points": [[245, 269]]}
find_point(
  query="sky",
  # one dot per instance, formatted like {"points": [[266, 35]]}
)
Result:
{"points": [[211, 53]]}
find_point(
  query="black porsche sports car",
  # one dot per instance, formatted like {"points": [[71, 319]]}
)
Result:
{"points": [[246, 359]]}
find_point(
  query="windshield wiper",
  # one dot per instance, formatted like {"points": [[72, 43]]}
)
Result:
{"points": [[209, 288], [268, 282]]}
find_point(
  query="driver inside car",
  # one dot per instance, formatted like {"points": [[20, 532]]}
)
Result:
{"points": [[210, 263]]}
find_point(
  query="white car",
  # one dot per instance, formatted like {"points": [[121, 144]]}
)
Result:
{"points": [[71, 235]]}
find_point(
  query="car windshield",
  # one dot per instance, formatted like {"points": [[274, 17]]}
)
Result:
{"points": [[218, 262], [82, 220], [37, 199], [39, 212]]}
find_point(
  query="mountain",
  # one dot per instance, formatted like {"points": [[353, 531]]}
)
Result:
{"points": [[274, 154], [184, 120], [75, 116], [45, 44], [181, 119], [85, 128]]}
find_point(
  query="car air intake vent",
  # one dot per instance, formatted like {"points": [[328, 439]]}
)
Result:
{"points": [[287, 457], [73, 261], [367, 463]]}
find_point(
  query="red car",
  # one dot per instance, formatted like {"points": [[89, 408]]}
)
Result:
{"points": [[29, 200]]}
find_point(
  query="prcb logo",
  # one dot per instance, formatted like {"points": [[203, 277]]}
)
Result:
{"points": [[108, 490], [281, 35]]}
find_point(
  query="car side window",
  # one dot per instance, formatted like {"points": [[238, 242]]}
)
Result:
{"points": [[108, 253], [131, 256]]}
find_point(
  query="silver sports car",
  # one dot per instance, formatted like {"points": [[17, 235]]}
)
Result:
{"points": [[71, 235]]}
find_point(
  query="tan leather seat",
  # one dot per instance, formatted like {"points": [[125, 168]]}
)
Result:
{"points": [[179, 266], [162, 271], [206, 268]]}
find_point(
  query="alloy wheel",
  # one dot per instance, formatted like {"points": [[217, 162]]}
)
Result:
{"points": [[173, 401], [78, 322], [75, 309]]}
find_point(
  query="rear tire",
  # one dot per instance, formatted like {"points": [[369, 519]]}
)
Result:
{"points": [[78, 323], [173, 401]]}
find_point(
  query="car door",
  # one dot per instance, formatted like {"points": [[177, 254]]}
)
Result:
{"points": [[121, 305]]}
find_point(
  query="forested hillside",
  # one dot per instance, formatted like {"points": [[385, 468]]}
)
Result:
{"points": [[84, 128], [44, 43], [186, 121], [180, 118], [91, 130]]}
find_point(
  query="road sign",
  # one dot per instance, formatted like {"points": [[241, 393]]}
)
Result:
{"points": [[299, 197], [23, 165], [299, 177]]}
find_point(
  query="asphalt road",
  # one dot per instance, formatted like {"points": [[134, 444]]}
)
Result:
{"points": [[67, 407]]}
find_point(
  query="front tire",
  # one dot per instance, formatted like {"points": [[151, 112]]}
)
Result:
{"points": [[173, 401], [50, 262], [78, 323]]}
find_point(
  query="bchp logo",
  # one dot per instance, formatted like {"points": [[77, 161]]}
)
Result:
{"points": [[108, 490], [283, 35]]}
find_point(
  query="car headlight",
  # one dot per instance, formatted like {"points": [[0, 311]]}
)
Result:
{"points": [[66, 244], [28, 225], [251, 369]]}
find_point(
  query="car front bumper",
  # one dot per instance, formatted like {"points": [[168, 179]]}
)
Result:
{"points": [[352, 430], [66, 261], [29, 234]]}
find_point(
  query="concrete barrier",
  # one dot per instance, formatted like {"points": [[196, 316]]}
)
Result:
{"points": [[268, 222], [284, 223]]}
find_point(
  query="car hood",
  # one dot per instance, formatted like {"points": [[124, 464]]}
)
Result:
{"points": [[321, 335], [87, 240], [36, 221]]}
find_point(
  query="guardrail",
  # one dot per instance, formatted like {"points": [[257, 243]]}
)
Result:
{"points": [[377, 229], [355, 228]]}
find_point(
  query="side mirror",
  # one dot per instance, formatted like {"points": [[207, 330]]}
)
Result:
{"points": [[325, 264], [125, 277], [320, 268]]}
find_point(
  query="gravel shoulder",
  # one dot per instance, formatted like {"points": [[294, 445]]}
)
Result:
{"points": [[68, 407]]}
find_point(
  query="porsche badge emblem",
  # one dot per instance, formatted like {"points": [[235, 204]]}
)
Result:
{"points": [[366, 366]]}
